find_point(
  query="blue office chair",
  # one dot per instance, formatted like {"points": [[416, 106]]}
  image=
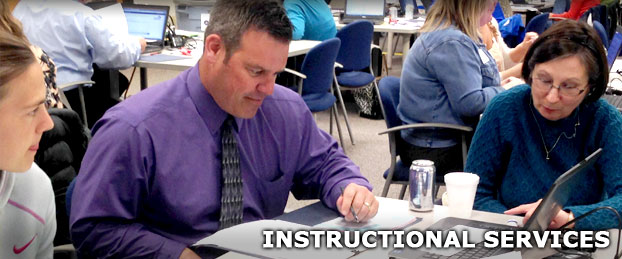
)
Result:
{"points": [[355, 60], [539, 23], [614, 49], [317, 72], [398, 172], [600, 29]]}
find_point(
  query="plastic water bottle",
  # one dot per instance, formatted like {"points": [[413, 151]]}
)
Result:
{"points": [[409, 14], [420, 6]]}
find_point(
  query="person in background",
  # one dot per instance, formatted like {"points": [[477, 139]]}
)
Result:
{"points": [[533, 133], [312, 19], [509, 60], [577, 8], [9, 24], [27, 210], [448, 77], [152, 179], [77, 39]]}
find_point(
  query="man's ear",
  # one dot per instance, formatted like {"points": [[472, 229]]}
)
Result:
{"points": [[214, 46]]}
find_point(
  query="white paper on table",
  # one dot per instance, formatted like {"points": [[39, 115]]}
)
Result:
{"points": [[113, 18], [247, 238], [387, 218]]}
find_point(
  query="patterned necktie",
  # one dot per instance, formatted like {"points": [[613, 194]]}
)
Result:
{"points": [[232, 207]]}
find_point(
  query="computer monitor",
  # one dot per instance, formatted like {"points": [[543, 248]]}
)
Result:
{"points": [[147, 21], [365, 8]]}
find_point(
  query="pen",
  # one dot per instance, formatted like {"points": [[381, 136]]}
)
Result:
{"points": [[351, 209]]}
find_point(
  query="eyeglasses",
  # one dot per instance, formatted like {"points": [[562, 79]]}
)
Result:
{"points": [[565, 89]]}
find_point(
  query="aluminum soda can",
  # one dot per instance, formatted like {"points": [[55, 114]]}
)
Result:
{"points": [[421, 185]]}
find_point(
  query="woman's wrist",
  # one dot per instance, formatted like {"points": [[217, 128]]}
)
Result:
{"points": [[570, 218]]}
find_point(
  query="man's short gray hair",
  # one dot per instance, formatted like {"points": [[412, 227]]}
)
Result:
{"points": [[231, 18]]}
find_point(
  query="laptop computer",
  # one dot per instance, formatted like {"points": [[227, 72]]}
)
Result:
{"points": [[149, 22], [372, 11], [551, 204]]}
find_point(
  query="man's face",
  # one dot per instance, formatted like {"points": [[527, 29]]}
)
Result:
{"points": [[240, 85]]}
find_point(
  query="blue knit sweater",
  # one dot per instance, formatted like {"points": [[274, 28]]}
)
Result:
{"points": [[508, 154]]}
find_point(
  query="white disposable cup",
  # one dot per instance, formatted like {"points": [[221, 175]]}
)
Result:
{"points": [[461, 189]]}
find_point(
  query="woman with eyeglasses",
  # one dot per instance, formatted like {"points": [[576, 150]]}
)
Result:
{"points": [[27, 210], [533, 133]]}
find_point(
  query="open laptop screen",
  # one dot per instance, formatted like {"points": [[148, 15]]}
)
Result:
{"points": [[365, 8], [559, 193], [146, 22]]}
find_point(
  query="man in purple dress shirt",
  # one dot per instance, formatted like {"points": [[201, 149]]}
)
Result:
{"points": [[150, 182]]}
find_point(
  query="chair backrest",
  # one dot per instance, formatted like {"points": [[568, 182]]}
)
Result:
{"points": [[538, 24], [389, 88], [498, 13], [600, 29], [614, 49], [597, 13], [355, 51], [561, 6], [319, 65], [68, 196]]}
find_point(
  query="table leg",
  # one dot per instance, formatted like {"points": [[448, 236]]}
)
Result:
{"points": [[143, 78], [405, 47], [389, 49]]}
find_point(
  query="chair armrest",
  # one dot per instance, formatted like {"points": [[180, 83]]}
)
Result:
{"points": [[428, 125], [87, 82], [296, 73], [338, 65]]}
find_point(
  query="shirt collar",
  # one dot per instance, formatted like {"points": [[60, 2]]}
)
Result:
{"points": [[208, 109], [6, 187]]}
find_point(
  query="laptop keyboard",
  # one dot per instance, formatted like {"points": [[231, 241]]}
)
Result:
{"points": [[152, 48], [480, 251]]}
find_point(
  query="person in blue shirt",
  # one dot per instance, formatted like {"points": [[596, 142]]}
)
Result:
{"points": [[533, 133], [78, 41], [448, 77], [75, 37], [312, 19]]}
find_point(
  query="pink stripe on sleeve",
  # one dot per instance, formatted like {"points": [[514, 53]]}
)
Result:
{"points": [[26, 209]]}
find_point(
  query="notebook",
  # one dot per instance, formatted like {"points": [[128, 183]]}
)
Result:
{"points": [[551, 204], [149, 22], [372, 11]]}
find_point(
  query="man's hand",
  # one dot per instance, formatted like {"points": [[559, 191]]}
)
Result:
{"points": [[528, 209], [143, 44], [361, 200], [188, 254]]}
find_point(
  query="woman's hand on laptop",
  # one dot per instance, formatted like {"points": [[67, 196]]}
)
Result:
{"points": [[528, 209]]}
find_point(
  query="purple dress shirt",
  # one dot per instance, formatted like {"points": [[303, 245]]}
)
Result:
{"points": [[150, 181]]}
